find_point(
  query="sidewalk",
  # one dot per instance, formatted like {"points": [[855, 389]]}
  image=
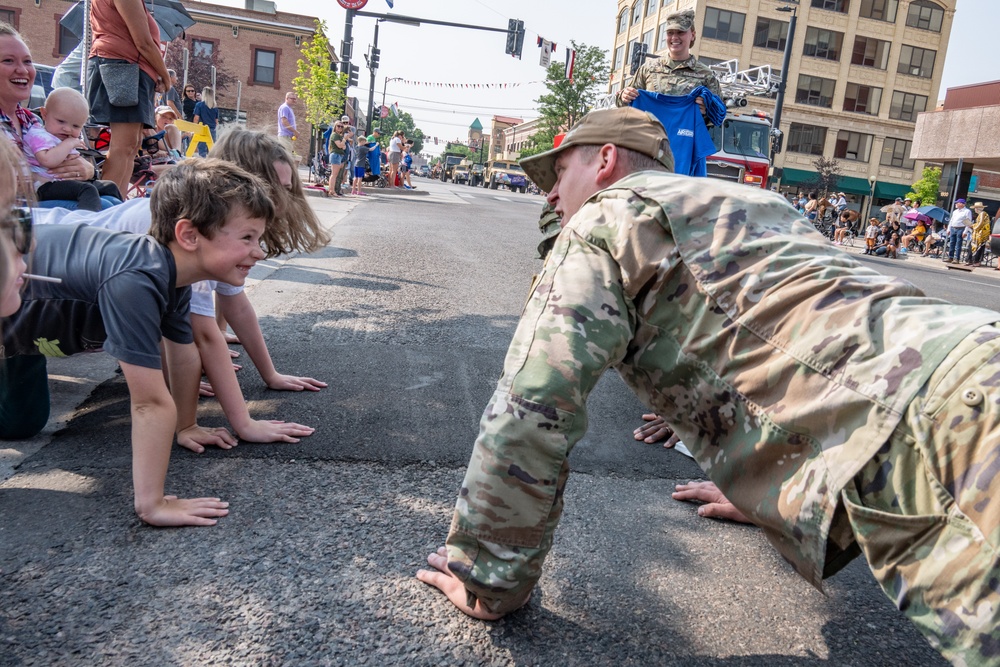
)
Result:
{"points": [[914, 258]]}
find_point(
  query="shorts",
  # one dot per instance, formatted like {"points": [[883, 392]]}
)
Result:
{"points": [[103, 113], [403, 168], [336, 158], [394, 158], [359, 172]]}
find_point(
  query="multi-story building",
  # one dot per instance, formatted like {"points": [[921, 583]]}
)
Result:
{"points": [[497, 126], [860, 71], [516, 138], [257, 46]]}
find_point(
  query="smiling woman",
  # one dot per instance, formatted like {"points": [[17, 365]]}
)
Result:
{"points": [[17, 75]]}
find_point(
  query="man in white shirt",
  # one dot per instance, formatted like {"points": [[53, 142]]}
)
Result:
{"points": [[961, 218]]}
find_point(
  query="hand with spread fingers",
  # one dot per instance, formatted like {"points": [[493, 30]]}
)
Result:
{"points": [[716, 505]]}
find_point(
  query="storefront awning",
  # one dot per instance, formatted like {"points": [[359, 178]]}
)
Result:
{"points": [[890, 190], [851, 185]]}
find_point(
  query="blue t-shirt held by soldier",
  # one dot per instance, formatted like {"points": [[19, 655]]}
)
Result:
{"points": [[862, 406]]}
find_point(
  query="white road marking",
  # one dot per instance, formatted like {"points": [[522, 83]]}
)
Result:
{"points": [[974, 282], [500, 198]]}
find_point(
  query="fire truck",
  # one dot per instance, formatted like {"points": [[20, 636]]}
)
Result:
{"points": [[743, 140]]}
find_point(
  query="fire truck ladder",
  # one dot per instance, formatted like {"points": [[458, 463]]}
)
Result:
{"points": [[737, 84]]}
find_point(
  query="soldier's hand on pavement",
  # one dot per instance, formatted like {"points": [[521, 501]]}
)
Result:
{"points": [[272, 430], [716, 505], [629, 94], [196, 438], [174, 511], [292, 383], [446, 582], [656, 429]]}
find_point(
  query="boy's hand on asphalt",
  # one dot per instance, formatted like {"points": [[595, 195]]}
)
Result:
{"points": [[716, 505], [292, 383], [174, 511], [446, 582], [196, 438], [272, 430], [656, 429]]}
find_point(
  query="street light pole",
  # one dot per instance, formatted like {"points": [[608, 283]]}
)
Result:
{"points": [[779, 101], [871, 194]]}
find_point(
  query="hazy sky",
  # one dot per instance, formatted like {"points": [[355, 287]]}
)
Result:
{"points": [[437, 54]]}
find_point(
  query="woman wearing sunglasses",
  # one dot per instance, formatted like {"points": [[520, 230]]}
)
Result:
{"points": [[188, 103], [15, 233]]}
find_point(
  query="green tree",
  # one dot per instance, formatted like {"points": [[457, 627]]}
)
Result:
{"points": [[404, 121], [928, 188], [567, 101], [319, 87]]}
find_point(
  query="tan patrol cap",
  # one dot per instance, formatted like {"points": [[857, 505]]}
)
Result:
{"points": [[626, 127], [682, 21]]}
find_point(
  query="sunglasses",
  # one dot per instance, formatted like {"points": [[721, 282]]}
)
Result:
{"points": [[18, 221]]}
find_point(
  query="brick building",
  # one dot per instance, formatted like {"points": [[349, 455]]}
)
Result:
{"points": [[258, 45]]}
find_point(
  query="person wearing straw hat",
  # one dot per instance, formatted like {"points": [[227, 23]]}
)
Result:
{"points": [[980, 234], [858, 403]]}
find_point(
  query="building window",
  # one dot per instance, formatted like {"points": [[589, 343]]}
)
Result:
{"points": [[853, 146], [67, 40], [631, 47], [916, 61], [661, 37], [617, 61], [906, 106], [770, 34], [647, 39], [824, 44], [202, 49], [9, 16], [264, 66], [880, 10], [724, 25], [925, 15], [623, 21], [815, 91], [896, 153], [870, 52], [862, 99], [637, 12], [650, 7], [808, 139], [832, 5]]}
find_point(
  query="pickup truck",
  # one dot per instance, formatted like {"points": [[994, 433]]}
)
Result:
{"points": [[502, 172], [448, 163]]}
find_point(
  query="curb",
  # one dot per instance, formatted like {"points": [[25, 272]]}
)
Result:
{"points": [[389, 192]]}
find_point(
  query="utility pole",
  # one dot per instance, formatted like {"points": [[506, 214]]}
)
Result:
{"points": [[373, 59]]}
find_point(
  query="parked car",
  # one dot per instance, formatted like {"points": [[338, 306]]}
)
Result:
{"points": [[42, 87]]}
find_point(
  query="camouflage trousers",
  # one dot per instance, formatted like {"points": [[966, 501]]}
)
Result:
{"points": [[926, 509]]}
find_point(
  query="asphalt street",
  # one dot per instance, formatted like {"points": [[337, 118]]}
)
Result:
{"points": [[407, 314]]}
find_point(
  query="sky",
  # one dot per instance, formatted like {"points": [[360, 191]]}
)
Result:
{"points": [[431, 54]]}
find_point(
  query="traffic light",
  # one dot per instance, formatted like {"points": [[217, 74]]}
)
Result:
{"points": [[373, 59], [345, 49], [352, 75], [515, 38], [639, 50], [511, 36]]}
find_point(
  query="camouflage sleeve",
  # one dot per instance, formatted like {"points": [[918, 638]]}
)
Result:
{"points": [[576, 324], [638, 82]]}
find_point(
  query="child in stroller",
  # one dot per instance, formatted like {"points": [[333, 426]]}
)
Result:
{"points": [[371, 159]]}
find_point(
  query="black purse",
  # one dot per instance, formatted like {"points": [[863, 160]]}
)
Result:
{"points": [[121, 81]]}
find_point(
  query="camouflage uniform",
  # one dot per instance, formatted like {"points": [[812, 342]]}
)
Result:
{"points": [[671, 77], [549, 224], [767, 349]]}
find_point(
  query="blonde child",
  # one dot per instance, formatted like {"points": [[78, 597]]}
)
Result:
{"points": [[871, 235], [65, 113], [360, 163]]}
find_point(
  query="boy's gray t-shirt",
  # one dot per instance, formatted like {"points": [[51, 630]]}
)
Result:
{"points": [[117, 294]]}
